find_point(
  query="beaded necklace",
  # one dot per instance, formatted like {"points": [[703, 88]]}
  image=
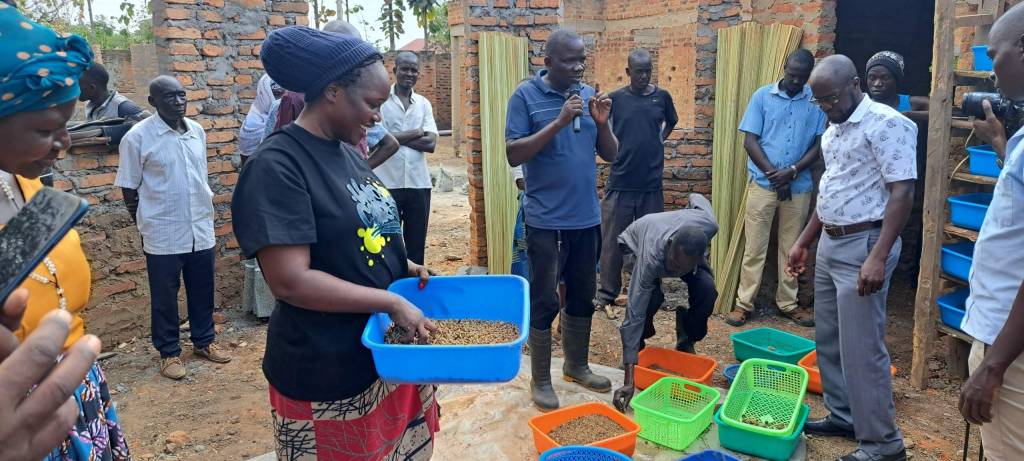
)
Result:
{"points": [[47, 262]]}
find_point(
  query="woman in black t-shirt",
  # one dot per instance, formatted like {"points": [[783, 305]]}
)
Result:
{"points": [[328, 238]]}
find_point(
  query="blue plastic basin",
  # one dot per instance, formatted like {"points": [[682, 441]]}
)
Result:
{"points": [[730, 372], [956, 259], [951, 307], [575, 453], [968, 210], [710, 455], [983, 161], [981, 59], [479, 297]]}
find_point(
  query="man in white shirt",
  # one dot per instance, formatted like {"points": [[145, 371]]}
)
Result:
{"points": [[409, 117], [163, 175], [865, 198], [994, 395]]}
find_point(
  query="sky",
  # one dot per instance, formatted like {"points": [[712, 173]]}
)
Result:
{"points": [[370, 13]]}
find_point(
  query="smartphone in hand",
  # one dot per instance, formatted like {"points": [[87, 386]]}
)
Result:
{"points": [[32, 233]]}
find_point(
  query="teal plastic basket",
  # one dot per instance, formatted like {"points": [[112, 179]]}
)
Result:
{"points": [[674, 412], [771, 344], [768, 392], [760, 445]]}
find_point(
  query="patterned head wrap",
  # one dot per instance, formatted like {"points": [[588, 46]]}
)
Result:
{"points": [[890, 60], [38, 67]]}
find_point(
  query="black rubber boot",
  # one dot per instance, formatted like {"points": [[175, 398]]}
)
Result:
{"points": [[576, 344], [543, 394]]}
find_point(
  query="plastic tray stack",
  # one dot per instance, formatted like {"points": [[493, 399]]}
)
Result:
{"points": [[764, 413]]}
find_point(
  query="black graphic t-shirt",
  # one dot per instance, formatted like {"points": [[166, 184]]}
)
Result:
{"points": [[299, 189]]}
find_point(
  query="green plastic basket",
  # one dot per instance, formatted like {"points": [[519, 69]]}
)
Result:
{"points": [[771, 344], [674, 412], [766, 391]]}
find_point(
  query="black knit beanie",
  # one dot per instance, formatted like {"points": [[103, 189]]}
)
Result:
{"points": [[306, 60], [890, 60]]}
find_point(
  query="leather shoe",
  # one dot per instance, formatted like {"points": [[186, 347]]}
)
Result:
{"points": [[824, 427], [861, 455]]}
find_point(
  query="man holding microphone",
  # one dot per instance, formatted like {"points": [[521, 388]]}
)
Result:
{"points": [[555, 124]]}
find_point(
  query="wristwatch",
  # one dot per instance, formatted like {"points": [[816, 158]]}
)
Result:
{"points": [[795, 171]]}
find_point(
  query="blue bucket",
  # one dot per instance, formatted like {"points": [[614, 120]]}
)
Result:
{"points": [[582, 454], [479, 297], [951, 307], [983, 161], [981, 59], [968, 210], [957, 258]]}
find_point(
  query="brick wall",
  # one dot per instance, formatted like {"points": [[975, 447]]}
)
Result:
{"points": [[435, 82], [817, 18], [212, 47]]}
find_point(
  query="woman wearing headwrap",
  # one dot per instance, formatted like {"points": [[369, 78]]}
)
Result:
{"points": [[884, 75], [252, 132], [328, 238], [39, 72]]}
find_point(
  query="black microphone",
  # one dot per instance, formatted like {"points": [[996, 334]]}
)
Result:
{"points": [[574, 90]]}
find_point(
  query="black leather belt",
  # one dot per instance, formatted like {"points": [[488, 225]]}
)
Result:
{"points": [[839, 231]]}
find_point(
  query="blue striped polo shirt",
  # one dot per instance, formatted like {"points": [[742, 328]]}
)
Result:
{"points": [[561, 180]]}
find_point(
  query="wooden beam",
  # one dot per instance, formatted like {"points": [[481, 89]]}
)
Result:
{"points": [[976, 179], [940, 110], [974, 20], [961, 232], [956, 357]]}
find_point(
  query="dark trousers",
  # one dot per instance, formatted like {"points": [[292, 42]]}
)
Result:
{"points": [[691, 323], [573, 253], [618, 210], [165, 274], [414, 211]]}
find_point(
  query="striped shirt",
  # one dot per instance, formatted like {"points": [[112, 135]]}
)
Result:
{"points": [[168, 169]]}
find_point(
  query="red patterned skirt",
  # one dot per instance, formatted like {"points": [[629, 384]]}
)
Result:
{"points": [[385, 422]]}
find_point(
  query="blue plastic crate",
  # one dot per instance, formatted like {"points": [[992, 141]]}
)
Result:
{"points": [[575, 453], [730, 372], [956, 259], [983, 161], [968, 210], [981, 59], [710, 455], [951, 307], [480, 297]]}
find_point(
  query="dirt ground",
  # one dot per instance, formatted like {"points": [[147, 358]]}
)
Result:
{"points": [[223, 409]]}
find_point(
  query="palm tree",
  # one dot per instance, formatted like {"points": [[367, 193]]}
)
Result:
{"points": [[391, 18]]}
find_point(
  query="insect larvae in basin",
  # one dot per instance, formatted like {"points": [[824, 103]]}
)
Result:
{"points": [[462, 332]]}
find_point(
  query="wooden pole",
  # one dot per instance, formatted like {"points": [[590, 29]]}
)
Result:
{"points": [[934, 212]]}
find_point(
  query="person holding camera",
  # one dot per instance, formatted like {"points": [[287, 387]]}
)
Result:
{"points": [[993, 396]]}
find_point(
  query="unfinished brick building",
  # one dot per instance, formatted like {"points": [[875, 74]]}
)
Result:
{"points": [[681, 35]]}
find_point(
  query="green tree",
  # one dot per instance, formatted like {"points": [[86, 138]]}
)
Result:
{"points": [[424, 11], [321, 13], [438, 28], [59, 14], [392, 15]]}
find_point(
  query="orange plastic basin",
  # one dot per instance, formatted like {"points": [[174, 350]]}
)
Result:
{"points": [[542, 425], [696, 368], [810, 363]]}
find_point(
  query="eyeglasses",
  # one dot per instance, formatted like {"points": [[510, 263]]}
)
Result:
{"points": [[831, 99]]}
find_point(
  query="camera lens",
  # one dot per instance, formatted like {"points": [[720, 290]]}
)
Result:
{"points": [[972, 104]]}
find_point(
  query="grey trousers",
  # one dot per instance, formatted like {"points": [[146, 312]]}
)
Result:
{"points": [[850, 334], [618, 210]]}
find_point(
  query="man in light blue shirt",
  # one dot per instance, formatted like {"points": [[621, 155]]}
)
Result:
{"points": [[994, 395], [782, 139]]}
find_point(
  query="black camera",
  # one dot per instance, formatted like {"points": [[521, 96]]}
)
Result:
{"points": [[1010, 112]]}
